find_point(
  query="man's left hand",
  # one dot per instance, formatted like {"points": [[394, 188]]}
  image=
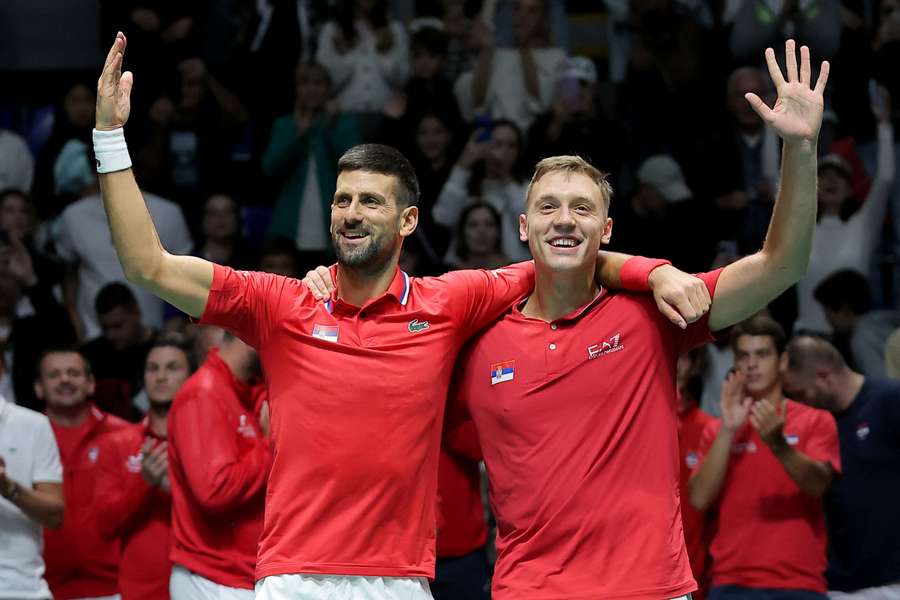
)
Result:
{"points": [[768, 420], [682, 298]]}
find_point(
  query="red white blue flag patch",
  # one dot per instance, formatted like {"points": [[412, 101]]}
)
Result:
{"points": [[503, 371]]}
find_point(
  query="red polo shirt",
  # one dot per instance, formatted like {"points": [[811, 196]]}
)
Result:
{"points": [[770, 534], [80, 562], [218, 465], [357, 397], [577, 421], [138, 515], [691, 424], [461, 528]]}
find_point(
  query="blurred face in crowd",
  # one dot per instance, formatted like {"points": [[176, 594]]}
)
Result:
{"points": [[220, 218], [367, 222], [503, 152], [207, 337], [834, 189], [279, 264], [577, 95], [16, 216], [79, 104], [528, 19], [312, 87], [811, 386], [758, 358], [744, 115], [166, 369], [565, 222], [482, 231], [64, 380], [432, 138], [122, 326], [426, 65]]}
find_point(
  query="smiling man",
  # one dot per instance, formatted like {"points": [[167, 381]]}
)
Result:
{"points": [[572, 390], [356, 385]]}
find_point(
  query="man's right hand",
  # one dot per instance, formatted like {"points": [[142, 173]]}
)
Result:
{"points": [[734, 403], [114, 89], [320, 283]]}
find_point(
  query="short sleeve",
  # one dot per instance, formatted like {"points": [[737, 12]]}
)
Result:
{"points": [[47, 466], [707, 438], [698, 333], [478, 297], [250, 304], [822, 440]]}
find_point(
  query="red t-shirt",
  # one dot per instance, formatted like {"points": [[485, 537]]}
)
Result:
{"points": [[80, 562], [357, 397], [461, 528], [218, 464], [138, 515], [770, 534], [577, 421], [691, 424]]}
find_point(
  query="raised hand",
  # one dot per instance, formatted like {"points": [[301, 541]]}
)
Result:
{"points": [[797, 114], [154, 462], [768, 419], [114, 89], [734, 403]]}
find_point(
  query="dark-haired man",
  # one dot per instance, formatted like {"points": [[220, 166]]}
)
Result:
{"points": [[765, 468], [80, 563], [861, 506], [349, 513], [136, 499]]}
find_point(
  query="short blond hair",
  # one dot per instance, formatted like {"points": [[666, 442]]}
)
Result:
{"points": [[571, 164]]}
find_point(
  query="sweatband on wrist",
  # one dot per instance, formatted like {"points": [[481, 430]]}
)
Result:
{"points": [[111, 150], [635, 273]]}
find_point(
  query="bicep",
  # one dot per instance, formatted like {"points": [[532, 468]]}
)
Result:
{"points": [[184, 282], [744, 288]]}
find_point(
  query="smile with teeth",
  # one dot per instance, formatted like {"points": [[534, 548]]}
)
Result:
{"points": [[354, 235], [564, 242]]}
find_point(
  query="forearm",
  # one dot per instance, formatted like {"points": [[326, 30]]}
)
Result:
{"points": [[481, 75], [133, 232], [813, 477], [705, 485], [529, 74], [45, 508]]}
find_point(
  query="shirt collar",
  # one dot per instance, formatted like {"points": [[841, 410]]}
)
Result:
{"points": [[399, 289], [572, 316]]}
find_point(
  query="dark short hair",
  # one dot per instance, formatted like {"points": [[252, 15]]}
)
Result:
{"points": [[62, 349], [430, 40], [378, 158], [845, 288], [760, 325], [174, 339], [112, 296]]}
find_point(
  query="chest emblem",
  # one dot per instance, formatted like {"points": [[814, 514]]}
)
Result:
{"points": [[691, 460], [329, 333], [613, 344], [93, 454], [503, 371], [744, 448], [792, 439], [862, 431], [133, 463], [245, 428], [415, 326]]}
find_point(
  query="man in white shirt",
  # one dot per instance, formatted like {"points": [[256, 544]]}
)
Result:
{"points": [[31, 496]]}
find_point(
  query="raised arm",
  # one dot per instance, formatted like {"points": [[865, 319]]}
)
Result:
{"points": [[182, 281], [749, 284]]}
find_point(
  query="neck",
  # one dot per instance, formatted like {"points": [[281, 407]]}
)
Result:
{"points": [[773, 393], [68, 416], [847, 389], [158, 414], [357, 286], [239, 363], [558, 294]]}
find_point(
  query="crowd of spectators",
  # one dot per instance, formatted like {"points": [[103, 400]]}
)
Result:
{"points": [[239, 113]]}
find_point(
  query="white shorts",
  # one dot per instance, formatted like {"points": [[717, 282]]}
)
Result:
{"points": [[341, 587], [184, 585], [882, 592]]}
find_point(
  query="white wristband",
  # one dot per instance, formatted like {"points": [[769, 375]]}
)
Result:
{"points": [[111, 150]]}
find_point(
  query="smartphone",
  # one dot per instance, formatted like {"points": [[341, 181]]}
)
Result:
{"points": [[483, 123]]}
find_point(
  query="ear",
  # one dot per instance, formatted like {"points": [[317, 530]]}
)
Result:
{"points": [[92, 385], [39, 389], [409, 220], [783, 362], [607, 231], [523, 228]]}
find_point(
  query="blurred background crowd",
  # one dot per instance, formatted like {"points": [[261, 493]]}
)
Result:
{"points": [[241, 109]]}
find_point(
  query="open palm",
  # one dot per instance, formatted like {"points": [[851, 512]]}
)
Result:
{"points": [[114, 89], [797, 114]]}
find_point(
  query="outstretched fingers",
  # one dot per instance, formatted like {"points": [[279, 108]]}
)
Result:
{"points": [[823, 77], [764, 112], [774, 69], [805, 68], [790, 60]]}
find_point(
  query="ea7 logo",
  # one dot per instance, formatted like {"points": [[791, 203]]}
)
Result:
{"points": [[609, 346]]}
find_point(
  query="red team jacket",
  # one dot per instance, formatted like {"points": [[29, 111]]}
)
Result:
{"points": [[80, 562], [218, 464], [137, 515]]}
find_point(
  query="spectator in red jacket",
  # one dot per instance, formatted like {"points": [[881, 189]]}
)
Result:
{"points": [[136, 498], [80, 563], [219, 461]]}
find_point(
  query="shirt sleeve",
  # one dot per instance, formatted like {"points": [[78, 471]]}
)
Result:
{"points": [[478, 297], [249, 304], [822, 440], [220, 475], [698, 333], [47, 466]]}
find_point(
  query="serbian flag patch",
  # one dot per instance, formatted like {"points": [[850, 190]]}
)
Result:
{"points": [[504, 371], [329, 333]]}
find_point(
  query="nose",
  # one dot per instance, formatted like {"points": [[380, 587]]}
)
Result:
{"points": [[353, 214], [564, 218]]}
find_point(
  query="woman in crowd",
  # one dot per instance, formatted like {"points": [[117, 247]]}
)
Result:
{"points": [[479, 239]]}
